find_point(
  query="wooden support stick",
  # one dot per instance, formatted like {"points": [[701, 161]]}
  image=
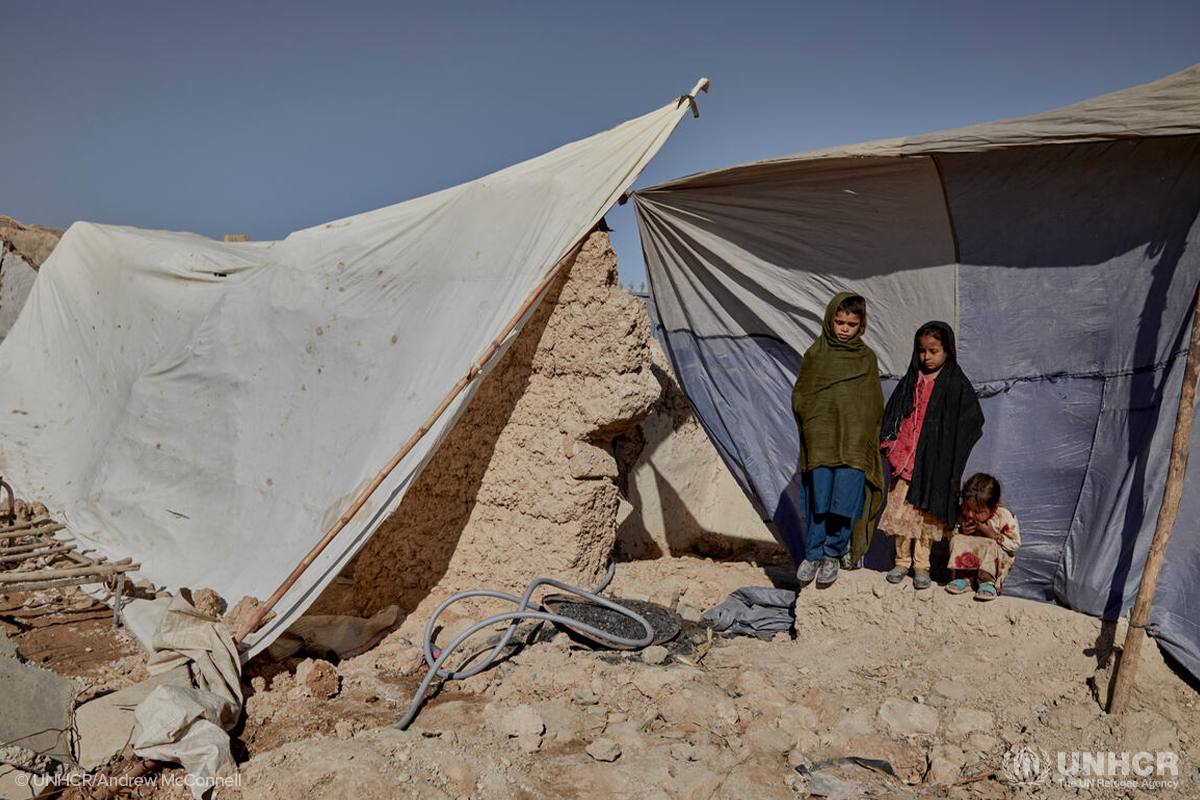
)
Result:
{"points": [[345, 518], [18, 534], [1127, 667], [124, 565], [35, 586], [21, 526], [38, 541], [33, 553]]}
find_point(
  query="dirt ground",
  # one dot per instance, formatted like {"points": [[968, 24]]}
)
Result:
{"points": [[940, 687], [66, 631]]}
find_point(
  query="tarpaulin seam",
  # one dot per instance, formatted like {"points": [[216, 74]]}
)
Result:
{"points": [[983, 386]]}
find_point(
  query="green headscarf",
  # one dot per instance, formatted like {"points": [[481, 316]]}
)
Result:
{"points": [[838, 404]]}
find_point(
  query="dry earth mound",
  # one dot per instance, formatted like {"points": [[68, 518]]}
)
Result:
{"points": [[941, 687]]}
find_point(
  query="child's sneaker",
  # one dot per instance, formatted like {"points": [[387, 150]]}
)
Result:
{"points": [[921, 579], [897, 574], [807, 571], [829, 571]]}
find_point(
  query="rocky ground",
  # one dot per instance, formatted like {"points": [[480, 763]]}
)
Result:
{"points": [[940, 687]]}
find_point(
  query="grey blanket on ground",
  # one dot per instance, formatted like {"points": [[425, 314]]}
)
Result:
{"points": [[753, 611]]}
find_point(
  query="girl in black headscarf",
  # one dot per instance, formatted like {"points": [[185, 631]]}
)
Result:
{"points": [[930, 424]]}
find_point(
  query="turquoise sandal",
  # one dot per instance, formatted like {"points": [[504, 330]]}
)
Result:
{"points": [[986, 592], [958, 586]]}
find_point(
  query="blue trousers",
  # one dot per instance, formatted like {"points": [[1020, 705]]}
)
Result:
{"points": [[833, 501]]}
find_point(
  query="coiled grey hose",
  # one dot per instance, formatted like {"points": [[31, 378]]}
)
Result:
{"points": [[522, 612]]}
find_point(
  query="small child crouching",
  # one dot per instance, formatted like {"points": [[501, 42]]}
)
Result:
{"points": [[984, 542]]}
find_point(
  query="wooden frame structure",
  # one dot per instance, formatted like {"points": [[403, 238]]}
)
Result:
{"points": [[36, 539]]}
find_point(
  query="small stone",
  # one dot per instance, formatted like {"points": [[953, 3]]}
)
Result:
{"points": [[518, 722], [655, 682], [951, 690], [908, 718], [945, 765], [964, 721], [604, 750], [529, 742], [207, 602], [682, 751], [769, 741], [318, 678], [983, 742], [726, 711], [689, 612], [823, 784], [694, 780], [584, 697], [655, 654]]}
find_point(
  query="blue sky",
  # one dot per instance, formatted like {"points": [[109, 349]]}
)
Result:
{"points": [[265, 117]]}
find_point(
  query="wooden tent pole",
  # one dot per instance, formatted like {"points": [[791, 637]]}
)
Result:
{"points": [[1127, 667], [472, 371]]}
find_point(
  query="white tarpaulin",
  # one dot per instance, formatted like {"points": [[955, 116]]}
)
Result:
{"points": [[212, 408]]}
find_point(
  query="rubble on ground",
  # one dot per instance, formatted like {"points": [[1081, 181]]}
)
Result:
{"points": [[940, 687]]}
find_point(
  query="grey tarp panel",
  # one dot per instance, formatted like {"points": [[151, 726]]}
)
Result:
{"points": [[1065, 249]]}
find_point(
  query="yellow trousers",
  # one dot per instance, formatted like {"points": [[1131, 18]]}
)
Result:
{"points": [[918, 558]]}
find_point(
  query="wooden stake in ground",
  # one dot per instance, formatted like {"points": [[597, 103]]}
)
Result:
{"points": [[1127, 667]]}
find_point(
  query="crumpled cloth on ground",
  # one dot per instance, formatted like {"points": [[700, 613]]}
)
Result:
{"points": [[322, 634], [754, 611], [183, 724]]}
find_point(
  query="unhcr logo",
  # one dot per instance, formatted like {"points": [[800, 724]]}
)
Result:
{"points": [[1027, 766], [1095, 770]]}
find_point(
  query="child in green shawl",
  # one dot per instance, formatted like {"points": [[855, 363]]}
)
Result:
{"points": [[838, 403]]}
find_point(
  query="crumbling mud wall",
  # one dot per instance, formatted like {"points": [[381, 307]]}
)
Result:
{"points": [[682, 496], [23, 248], [524, 485]]}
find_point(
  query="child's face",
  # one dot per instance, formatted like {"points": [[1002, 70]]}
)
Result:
{"points": [[977, 512], [846, 325], [931, 354]]}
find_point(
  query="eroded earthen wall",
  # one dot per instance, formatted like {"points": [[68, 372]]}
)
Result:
{"points": [[523, 486], [682, 496], [23, 248]]}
